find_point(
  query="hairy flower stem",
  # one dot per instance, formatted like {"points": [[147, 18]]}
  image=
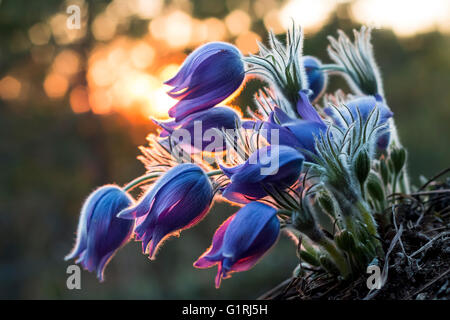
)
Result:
{"points": [[317, 236], [371, 225], [151, 176], [141, 180], [354, 209], [336, 255], [332, 68], [367, 218], [404, 182]]}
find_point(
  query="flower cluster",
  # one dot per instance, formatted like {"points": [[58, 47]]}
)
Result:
{"points": [[316, 165]]}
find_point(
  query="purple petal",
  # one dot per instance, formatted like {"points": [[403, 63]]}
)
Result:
{"points": [[204, 261], [317, 79], [306, 110], [100, 232], [244, 192], [210, 75], [183, 198]]}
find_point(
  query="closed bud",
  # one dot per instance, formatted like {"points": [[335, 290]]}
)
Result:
{"points": [[398, 157], [390, 165], [328, 265], [304, 221], [384, 172], [375, 188], [309, 258], [361, 255], [346, 241], [362, 166], [326, 203]]}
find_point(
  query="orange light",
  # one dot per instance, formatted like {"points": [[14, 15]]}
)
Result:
{"points": [[10, 88], [178, 29], [217, 30], [55, 85], [100, 101], [142, 55], [67, 62], [238, 22], [162, 103], [247, 42], [79, 99]]}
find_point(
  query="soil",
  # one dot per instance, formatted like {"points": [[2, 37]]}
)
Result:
{"points": [[417, 261]]}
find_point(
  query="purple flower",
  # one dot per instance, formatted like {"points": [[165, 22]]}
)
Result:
{"points": [[296, 133], [241, 241], [208, 76], [306, 110], [177, 201], [269, 166], [317, 79], [197, 125], [364, 105], [100, 233]]}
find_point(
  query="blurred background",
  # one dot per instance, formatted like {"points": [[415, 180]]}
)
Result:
{"points": [[75, 105]]}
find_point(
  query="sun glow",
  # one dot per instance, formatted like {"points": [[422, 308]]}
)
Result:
{"points": [[405, 17], [126, 74], [311, 15]]}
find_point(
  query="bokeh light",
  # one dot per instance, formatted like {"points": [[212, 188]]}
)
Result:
{"points": [[118, 72], [405, 17], [9, 88], [311, 15]]}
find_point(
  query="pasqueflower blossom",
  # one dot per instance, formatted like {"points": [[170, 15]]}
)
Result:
{"points": [[209, 75], [100, 233], [198, 124], [296, 133], [241, 241], [177, 201], [317, 78], [365, 106], [270, 165]]}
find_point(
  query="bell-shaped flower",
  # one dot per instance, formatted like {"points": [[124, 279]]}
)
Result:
{"points": [[268, 167], [209, 75], [296, 133], [199, 128], [317, 78], [241, 241], [177, 201], [363, 106], [100, 233]]}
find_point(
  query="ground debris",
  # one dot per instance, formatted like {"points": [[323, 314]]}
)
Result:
{"points": [[419, 264]]}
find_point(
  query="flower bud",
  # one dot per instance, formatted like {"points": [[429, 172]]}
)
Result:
{"points": [[375, 188], [345, 241], [384, 172], [326, 203], [328, 264], [362, 166], [398, 156], [309, 258]]}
